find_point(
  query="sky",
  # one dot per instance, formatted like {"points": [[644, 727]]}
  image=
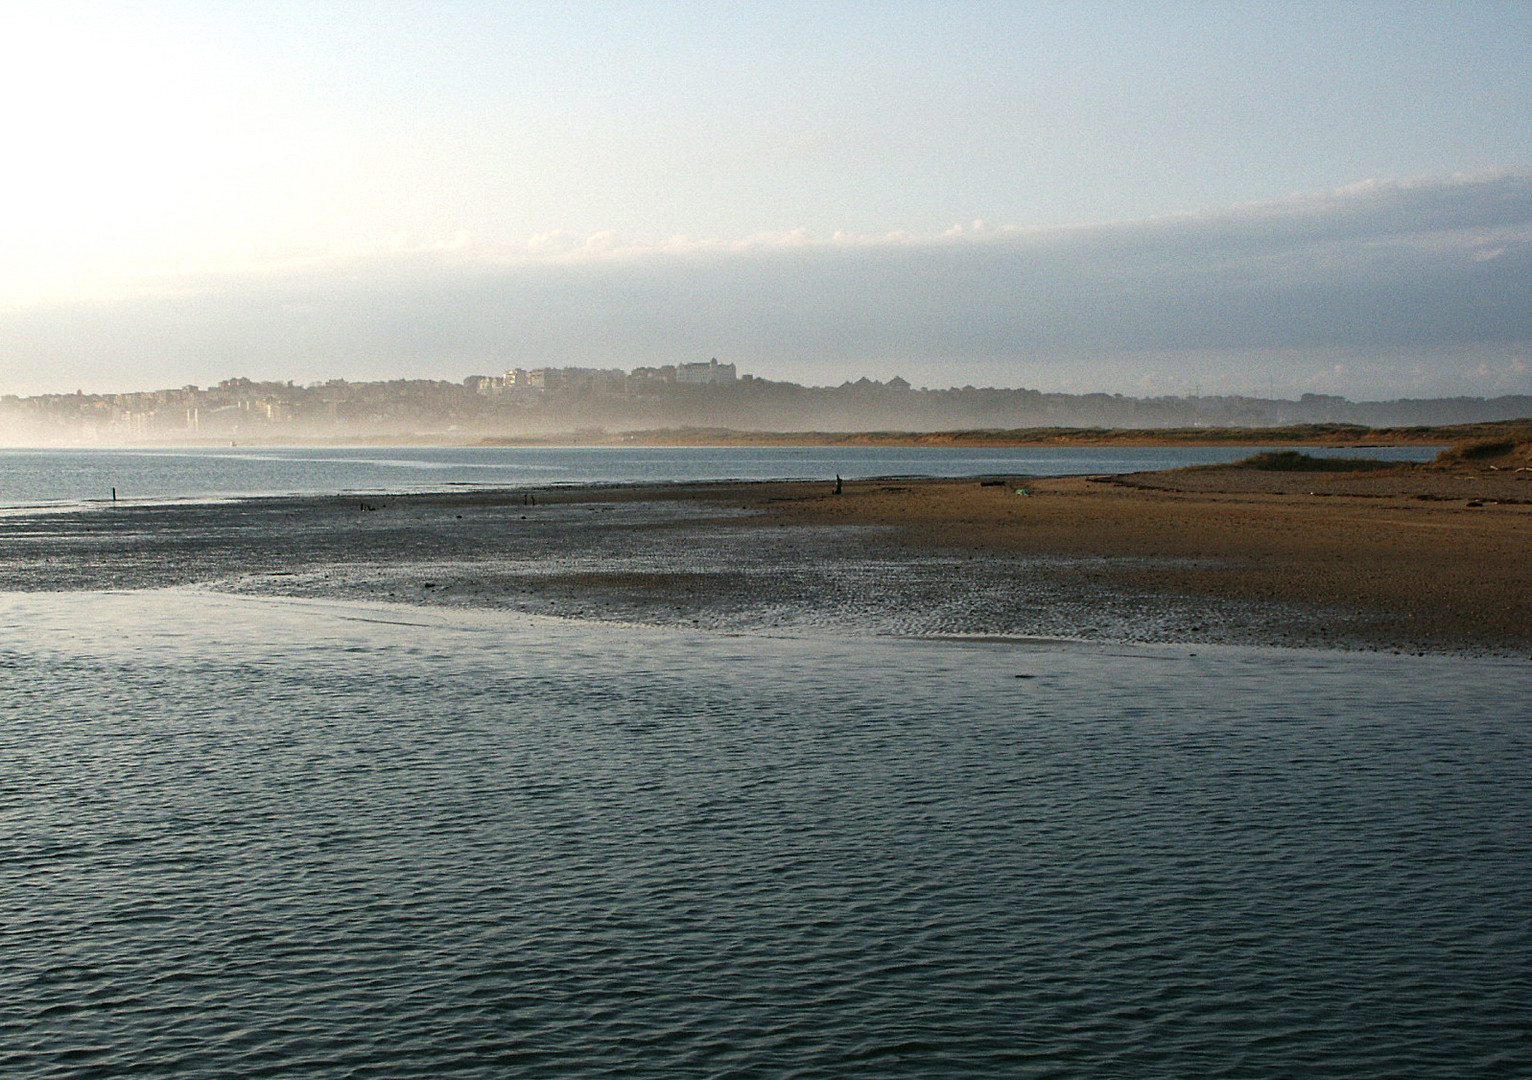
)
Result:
{"points": [[1142, 198]]}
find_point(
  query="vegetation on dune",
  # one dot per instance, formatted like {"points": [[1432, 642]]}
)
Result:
{"points": [[1488, 448], [1513, 447], [1293, 461]]}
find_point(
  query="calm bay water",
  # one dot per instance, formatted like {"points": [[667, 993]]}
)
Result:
{"points": [[263, 838], [37, 477]]}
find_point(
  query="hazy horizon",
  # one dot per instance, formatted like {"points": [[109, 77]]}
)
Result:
{"points": [[458, 379], [1157, 199]]}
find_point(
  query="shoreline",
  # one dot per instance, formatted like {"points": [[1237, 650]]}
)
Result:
{"points": [[1321, 434], [1390, 560]]}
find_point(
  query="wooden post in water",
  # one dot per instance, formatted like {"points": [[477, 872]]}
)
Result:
{"points": [[114, 494]]}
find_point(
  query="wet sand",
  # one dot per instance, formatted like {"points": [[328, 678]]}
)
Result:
{"points": [[1411, 560], [1399, 560]]}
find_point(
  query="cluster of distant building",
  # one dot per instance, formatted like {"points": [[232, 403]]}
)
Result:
{"points": [[588, 402], [521, 381], [244, 407]]}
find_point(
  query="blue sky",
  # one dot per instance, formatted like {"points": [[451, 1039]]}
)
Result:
{"points": [[1142, 198]]}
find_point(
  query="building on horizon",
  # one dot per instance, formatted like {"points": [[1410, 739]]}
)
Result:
{"points": [[711, 373]]}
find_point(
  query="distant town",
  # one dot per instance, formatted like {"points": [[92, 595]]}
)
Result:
{"points": [[593, 404]]}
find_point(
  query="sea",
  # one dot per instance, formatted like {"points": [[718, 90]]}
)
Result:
{"points": [[51, 476], [248, 836]]}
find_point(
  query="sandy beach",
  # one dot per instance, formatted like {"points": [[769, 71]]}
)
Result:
{"points": [[1409, 559], [1394, 561]]}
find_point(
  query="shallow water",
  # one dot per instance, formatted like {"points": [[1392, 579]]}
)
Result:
{"points": [[54, 476], [245, 837]]}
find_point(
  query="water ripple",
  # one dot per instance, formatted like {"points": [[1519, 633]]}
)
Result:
{"points": [[247, 838]]}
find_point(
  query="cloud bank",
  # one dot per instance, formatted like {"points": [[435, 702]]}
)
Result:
{"points": [[1381, 289]]}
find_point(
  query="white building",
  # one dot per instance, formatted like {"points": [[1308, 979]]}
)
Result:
{"points": [[711, 373]]}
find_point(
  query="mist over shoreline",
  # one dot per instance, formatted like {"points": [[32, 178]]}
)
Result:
{"points": [[687, 404]]}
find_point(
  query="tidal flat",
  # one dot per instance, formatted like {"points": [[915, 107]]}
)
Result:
{"points": [[997, 777], [1409, 561]]}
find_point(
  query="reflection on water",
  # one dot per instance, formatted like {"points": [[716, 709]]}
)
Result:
{"points": [[243, 837]]}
